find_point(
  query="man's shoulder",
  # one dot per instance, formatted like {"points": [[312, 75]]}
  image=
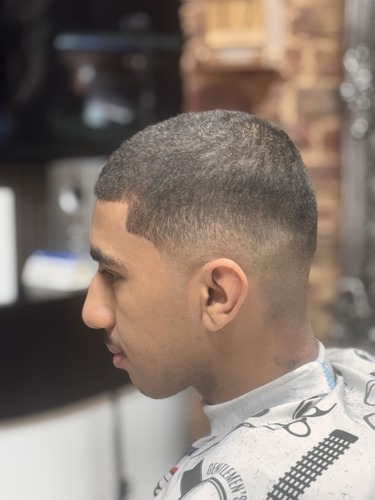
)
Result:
{"points": [[315, 447], [352, 357], [300, 460], [311, 446]]}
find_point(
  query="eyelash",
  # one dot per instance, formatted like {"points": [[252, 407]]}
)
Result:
{"points": [[108, 276]]}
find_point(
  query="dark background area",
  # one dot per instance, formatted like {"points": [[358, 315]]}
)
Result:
{"points": [[133, 47], [49, 358], [63, 65], [108, 15]]}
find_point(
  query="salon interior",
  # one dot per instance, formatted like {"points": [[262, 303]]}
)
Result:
{"points": [[76, 79]]}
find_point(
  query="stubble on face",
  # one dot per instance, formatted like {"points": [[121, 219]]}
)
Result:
{"points": [[157, 326]]}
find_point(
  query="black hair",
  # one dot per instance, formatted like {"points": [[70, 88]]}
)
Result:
{"points": [[216, 181]]}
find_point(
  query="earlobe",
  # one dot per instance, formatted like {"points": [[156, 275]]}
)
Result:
{"points": [[226, 289]]}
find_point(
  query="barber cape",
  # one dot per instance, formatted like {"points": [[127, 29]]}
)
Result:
{"points": [[309, 434]]}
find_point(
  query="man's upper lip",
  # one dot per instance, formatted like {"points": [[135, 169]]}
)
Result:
{"points": [[114, 349]]}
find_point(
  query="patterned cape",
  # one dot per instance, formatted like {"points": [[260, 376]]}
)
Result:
{"points": [[309, 434]]}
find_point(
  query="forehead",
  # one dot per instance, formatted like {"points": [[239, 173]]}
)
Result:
{"points": [[109, 237], [108, 232], [108, 215]]}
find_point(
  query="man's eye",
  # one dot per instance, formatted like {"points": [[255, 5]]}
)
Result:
{"points": [[108, 276]]}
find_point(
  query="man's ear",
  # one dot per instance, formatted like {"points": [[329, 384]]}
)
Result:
{"points": [[225, 288]]}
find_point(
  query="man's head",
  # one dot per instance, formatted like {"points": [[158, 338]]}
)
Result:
{"points": [[219, 191], [218, 183]]}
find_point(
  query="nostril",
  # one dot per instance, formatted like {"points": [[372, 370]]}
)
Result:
{"points": [[97, 317], [97, 312], [88, 317]]}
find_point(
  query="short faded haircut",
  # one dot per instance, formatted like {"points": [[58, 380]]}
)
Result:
{"points": [[215, 183]]}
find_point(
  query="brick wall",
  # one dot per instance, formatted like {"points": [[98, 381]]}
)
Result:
{"points": [[301, 94]]}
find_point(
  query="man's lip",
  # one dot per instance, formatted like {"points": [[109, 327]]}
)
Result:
{"points": [[118, 358], [114, 350], [118, 354]]}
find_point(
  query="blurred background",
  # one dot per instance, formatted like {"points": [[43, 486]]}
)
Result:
{"points": [[76, 79]]}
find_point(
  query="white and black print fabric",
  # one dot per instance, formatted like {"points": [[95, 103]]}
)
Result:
{"points": [[309, 434]]}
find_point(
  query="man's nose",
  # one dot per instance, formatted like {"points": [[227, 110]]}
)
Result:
{"points": [[97, 312]]}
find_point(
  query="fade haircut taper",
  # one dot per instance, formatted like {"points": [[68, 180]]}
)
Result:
{"points": [[215, 183]]}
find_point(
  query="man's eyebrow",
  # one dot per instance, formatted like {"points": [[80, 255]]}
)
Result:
{"points": [[102, 258]]}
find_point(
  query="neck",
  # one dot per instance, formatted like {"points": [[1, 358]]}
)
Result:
{"points": [[244, 362]]}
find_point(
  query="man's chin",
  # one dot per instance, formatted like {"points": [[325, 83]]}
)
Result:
{"points": [[157, 393]]}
